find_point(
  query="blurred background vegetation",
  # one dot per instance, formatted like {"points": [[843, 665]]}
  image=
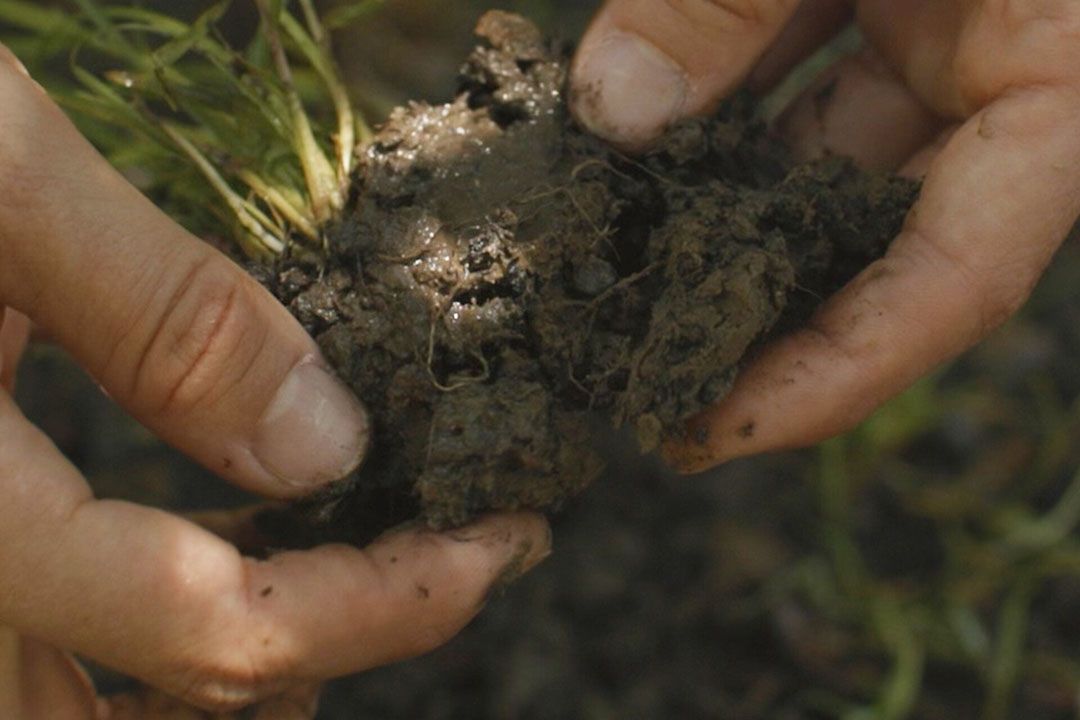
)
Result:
{"points": [[926, 565]]}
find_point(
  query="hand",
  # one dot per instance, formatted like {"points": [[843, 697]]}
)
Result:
{"points": [[205, 357], [982, 97]]}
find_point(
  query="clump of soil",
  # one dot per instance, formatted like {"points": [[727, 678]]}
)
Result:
{"points": [[503, 277]]}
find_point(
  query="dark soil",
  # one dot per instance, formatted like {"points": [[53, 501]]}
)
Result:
{"points": [[504, 278]]}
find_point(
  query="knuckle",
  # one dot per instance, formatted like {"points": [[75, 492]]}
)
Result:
{"points": [[1021, 15], [21, 187], [1034, 44], [233, 674], [997, 288], [244, 660], [220, 689], [991, 291], [200, 334], [728, 15], [23, 182]]}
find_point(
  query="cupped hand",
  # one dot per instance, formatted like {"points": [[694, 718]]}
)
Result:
{"points": [[206, 358], [980, 97]]}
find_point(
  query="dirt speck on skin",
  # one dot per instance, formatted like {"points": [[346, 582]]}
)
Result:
{"points": [[503, 277]]}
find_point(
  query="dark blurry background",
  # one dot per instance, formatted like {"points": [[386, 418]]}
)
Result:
{"points": [[925, 565]]}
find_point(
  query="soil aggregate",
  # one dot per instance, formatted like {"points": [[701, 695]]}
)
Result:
{"points": [[503, 280]]}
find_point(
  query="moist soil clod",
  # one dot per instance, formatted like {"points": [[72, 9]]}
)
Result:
{"points": [[502, 279]]}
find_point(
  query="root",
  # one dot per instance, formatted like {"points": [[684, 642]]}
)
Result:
{"points": [[594, 304], [458, 382], [604, 234]]}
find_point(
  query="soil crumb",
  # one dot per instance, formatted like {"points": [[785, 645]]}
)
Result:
{"points": [[503, 279]]}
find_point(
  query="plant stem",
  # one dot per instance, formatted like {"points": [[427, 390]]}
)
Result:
{"points": [[267, 243], [326, 196], [318, 51]]}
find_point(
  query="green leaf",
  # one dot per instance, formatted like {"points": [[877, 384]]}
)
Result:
{"points": [[198, 34], [216, 134], [349, 13]]}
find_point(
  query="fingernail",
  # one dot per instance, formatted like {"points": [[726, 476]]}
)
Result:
{"points": [[625, 89], [315, 431]]}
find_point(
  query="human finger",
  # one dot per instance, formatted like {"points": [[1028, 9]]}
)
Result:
{"points": [[996, 203], [643, 64], [921, 38], [862, 109], [38, 682], [919, 163], [814, 23], [176, 333], [152, 595]]}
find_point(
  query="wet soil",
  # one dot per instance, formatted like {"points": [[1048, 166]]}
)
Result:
{"points": [[503, 279]]}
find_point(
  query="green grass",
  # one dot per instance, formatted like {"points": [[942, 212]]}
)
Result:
{"points": [[260, 139], [1004, 505]]}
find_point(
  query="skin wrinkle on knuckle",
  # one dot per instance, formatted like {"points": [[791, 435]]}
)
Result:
{"points": [[201, 330], [1017, 14], [865, 364], [1035, 44], [269, 654], [20, 189], [1049, 107], [726, 16], [24, 182], [991, 299], [220, 690], [840, 329], [229, 672], [130, 325]]}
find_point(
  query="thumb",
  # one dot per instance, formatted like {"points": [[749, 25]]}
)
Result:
{"points": [[173, 330], [643, 64]]}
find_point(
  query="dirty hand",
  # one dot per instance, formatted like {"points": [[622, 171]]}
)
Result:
{"points": [[979, 96], [203, 356]]}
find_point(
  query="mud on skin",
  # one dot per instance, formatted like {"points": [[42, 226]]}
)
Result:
{"points": [[502, 278]]}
